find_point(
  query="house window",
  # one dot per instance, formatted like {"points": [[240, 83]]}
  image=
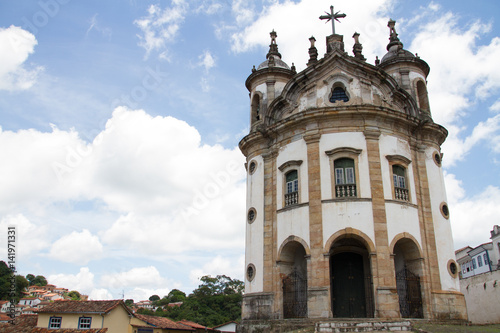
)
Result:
{"points": [[292, 188], [474, 263], [84, 322], [145, 330], [399, 182], [479, 261], [339, 94], [55, 322], [485, 256], [345, 180]]}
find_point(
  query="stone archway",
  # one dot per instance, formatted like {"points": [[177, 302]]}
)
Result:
{"points": [[350, 279], [293, 272], [408, 268]]}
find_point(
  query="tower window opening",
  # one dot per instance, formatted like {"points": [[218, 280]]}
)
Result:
{"points": [[256, 108], [339, 94], [292, 188], [345, 180], [399, 182]]}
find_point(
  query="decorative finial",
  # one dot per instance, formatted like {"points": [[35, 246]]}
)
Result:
{"points": [[332, 17], [273, 47], [313, 52], [377, 61], [294, 70], [253, 69], [357, 48], [393, 36]]}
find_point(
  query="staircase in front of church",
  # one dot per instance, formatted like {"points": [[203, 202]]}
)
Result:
{"points": [[357, 325]]}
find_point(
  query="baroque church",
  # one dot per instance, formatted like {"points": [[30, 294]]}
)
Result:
{"points": [[346, 205]]}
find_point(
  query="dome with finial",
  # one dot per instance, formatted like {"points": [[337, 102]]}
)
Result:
{"points": [[395, 46], [397, 54], [273, 57]]}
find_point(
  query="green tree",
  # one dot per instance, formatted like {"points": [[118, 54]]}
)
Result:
{"points": [[5, 274], [74, 295], [129, 302], [30, 278], [21, 285], [216, 300], [40, 280], [154, 298], [175, 295]]}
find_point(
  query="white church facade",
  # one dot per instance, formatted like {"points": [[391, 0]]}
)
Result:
{"points": [[346, 205]]}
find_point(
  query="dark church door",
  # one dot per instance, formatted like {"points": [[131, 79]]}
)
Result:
{"points": [[295, 295], [348, 285], [410, 297]]}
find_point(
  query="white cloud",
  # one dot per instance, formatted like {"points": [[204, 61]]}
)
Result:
{"points": [[16, 45], [160, 26], [83, 281], [144, 277], [366, 18], [36, 159], [207, 61], [472, 218], [139, 294], [77, 248], [462, 74], [95, 25], [145, 170], [219, 266], [100, 294], [30, 239]]}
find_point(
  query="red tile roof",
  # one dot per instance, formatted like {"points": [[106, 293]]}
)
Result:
{"points": [[193, 324], [22, 324], [162, 322], [4, 317], [65, 306]]}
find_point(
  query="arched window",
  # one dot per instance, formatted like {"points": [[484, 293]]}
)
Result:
{"points": [[256, 108], [399, 181], [345, 179], [339, 94], [423, 100], [292, 188]]}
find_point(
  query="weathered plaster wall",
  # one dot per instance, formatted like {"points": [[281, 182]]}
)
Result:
{"points": [[482, 296]]}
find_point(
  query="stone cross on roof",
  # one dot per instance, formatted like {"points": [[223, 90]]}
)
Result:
{"points": [[333, 17]]}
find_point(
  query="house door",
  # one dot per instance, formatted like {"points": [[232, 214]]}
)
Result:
{"points": [[348, 285]]}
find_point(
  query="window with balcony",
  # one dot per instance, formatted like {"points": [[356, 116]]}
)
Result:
{"points": [[345, 179], [399, 182], [292, 188]]}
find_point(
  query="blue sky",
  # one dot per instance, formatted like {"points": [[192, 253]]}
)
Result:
{"points": [[120, 122]]}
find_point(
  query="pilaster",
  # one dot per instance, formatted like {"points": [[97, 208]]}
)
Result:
{"points": [[387, 303]]}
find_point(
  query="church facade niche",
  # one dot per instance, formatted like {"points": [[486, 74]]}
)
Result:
{"points": [[348, 203]]}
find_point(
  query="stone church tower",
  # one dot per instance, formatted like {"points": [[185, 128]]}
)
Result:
{"points": [[346, 205]]}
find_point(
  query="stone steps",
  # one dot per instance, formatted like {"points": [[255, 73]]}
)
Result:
{"points": [[340, 326]]}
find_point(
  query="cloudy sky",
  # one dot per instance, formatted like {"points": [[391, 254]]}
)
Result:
{"points": [[120, 120]]}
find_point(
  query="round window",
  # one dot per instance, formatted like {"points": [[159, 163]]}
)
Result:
{"points": [[250, 272], [445, 211], [252, 167], [437, 158], [452, 268], [251, 215]]}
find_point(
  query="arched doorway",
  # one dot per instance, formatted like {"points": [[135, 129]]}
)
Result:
{"points": [[408, 268], [350, 279], [293, 267]]}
